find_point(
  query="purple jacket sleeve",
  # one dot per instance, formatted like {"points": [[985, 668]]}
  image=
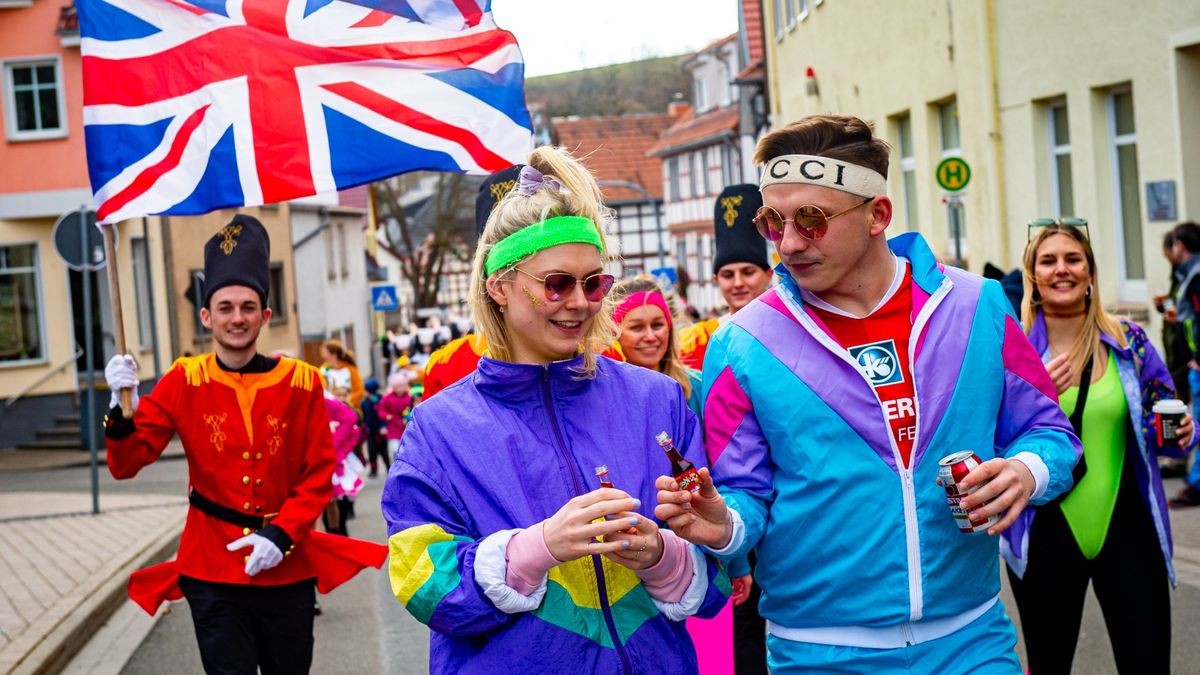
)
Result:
{"points": [[433, 549]]}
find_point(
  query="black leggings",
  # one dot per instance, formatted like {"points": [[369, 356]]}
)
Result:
{"points": [[1128, 576]]}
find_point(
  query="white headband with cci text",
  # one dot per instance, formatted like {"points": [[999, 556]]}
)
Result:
{"points": [[826, 172]]}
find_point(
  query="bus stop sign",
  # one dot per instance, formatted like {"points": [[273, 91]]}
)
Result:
{"points": [[953, 174]]}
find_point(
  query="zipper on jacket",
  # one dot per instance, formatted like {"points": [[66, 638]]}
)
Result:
{"points": [[912, 537], [573, 469], [916, 593]]}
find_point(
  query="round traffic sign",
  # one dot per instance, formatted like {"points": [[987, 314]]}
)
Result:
{"points": [[68, 241], [953, 174]]}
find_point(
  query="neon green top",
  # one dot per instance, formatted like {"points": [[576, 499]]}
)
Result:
{"points": [[1089, 507]]}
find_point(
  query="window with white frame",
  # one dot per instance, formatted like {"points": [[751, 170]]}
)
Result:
{"points": [[693, 170], [330, 253], [777, 14], [791, 13], [141, 290], [723, 78], [673, 179], [1127, 199], [343, 250], [951, 143], [948, 128], [908, 170], [1058, 131], [276, 301], [700, 94], [801, 10], [20, 305], [704, 164], [33, 100]]}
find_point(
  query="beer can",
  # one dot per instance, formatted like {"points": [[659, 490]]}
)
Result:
{"points": [[952, 469]]}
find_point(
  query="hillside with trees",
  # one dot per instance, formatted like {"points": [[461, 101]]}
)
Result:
{"points": [[639, 86]]}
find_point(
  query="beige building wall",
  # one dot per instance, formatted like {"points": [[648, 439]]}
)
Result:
{"points": [[1005, 64], [188, 236]]}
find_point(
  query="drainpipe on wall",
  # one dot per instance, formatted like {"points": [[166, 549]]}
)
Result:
{"points": [[997, 137], [169, 263], [150, 292]]}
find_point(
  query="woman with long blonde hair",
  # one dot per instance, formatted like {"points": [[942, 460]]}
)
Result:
{"points": [[506, 538], [1111, 529]]}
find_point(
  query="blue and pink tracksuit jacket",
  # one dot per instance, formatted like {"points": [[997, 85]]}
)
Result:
{"points": [[797, 441], [504, 449]]}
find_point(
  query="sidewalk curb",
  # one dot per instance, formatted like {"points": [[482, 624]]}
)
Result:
{"points": [[55, 651]]}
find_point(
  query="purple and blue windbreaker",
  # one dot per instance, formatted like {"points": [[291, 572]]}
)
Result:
{"points": [[504, 449], [1145, 381]]}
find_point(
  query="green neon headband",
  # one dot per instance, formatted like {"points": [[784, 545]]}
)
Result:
{"points": [[541, 236]]}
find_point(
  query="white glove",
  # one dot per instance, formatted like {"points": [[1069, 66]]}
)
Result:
{"points": [[121, 373], [264, 556]]}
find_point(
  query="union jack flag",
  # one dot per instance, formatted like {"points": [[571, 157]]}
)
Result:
{"points": [[195, 105]]}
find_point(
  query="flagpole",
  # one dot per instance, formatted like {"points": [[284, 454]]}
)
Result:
{"points": [[114, 289]]}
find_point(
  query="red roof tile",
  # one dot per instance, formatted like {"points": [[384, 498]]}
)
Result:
{"points": [[613, 147], [752, 13], [691, 129]]}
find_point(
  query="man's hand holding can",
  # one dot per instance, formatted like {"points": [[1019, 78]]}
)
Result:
{"points": [[1005, 486]]}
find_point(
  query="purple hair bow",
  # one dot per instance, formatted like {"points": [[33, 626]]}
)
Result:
{"points": [[530, 180]]}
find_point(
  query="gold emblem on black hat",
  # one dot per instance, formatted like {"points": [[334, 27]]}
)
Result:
{"points": [[227, 235], [730, 204], [501, 188]]}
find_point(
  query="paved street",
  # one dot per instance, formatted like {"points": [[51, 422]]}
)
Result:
{"points": [[363, 629]]}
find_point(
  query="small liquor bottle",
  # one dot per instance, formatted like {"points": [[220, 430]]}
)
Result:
{"points": [[684, 471], [602, 474]]}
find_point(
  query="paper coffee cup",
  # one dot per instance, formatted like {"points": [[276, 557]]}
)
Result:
{"points": [[1168, 414]]}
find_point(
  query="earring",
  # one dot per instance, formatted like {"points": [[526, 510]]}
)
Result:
{"points": [[532, 300], [501, 309], [1089, 291]]}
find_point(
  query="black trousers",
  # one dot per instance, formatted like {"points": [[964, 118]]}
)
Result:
{"points": [[243, 628], [376, 450], [1128, 576], [749, 634]]}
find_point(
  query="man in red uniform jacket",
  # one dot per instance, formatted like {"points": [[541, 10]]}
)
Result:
{"points": [[260, 465]]}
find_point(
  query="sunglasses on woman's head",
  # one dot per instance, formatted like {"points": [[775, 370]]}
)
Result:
{"points": [[810, 221], [559, 285], [1038, 224]]}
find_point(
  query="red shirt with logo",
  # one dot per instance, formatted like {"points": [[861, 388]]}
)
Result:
{"points": [[878, 343]]}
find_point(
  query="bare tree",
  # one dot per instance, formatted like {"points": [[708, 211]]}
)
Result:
{"points": [[427, 219]]}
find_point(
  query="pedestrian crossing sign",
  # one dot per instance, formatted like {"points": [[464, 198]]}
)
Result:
{"points": [[383, 299]]}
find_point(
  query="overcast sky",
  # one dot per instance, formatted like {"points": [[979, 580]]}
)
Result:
{"points": [[557, 37]]}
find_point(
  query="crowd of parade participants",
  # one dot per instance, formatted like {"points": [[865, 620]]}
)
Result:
{"points": [[850, 449]]}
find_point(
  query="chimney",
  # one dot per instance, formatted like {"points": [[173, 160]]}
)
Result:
{"points": [[678, 108]]}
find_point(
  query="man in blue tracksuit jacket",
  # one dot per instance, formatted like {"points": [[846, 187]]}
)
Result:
{"points": [[829, 401]]}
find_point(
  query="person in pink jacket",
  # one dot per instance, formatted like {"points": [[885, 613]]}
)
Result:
{"points": [[347, 478], [391, 410]]}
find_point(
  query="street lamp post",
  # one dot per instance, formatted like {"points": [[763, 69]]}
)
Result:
{"points": [[653, 205]]}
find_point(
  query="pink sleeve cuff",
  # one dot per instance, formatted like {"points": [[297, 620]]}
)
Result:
{"points": [[667, 580], [529, 559]]}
